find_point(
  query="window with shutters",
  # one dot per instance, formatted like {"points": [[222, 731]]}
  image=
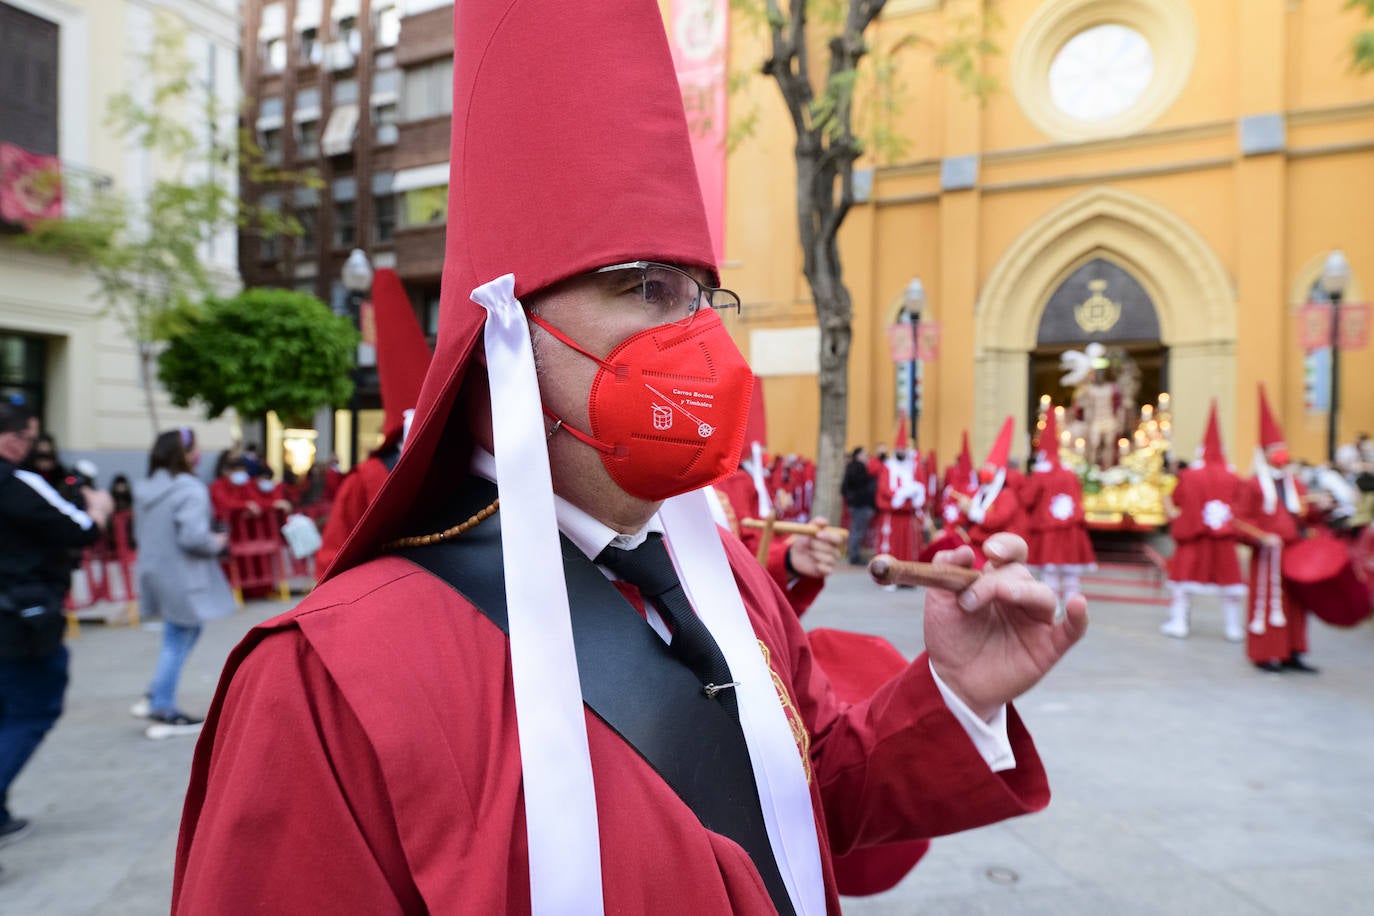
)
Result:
{"points": [[28, 81]]}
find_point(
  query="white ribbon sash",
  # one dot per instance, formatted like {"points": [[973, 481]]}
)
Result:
{"points": [[784, 794], [556, 766]]}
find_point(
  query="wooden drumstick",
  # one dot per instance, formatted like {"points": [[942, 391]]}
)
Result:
{"points": [[794, 527], [887, 570]]}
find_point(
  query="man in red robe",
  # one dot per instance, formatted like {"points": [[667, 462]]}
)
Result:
{"points": [[1053, 500], [402, 360], [1203, 512], [448, 724], [995, 506], [797, 563], [901, 500], [1272, 518]]}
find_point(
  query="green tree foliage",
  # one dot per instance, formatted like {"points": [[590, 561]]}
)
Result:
{"points": [[148, 255], [264, 349], [840, 114], [1362, 45]]}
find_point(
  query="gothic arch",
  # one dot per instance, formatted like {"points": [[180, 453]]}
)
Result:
{"points": [[1192, 292]]}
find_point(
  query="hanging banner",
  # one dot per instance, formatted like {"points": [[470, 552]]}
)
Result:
{"points": [[901, 342], [1314, 326], [30, 186], [1354, 326], [698, 31], [928, 341]]}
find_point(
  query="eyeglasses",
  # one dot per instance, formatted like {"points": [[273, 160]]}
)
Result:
{"points": [[670, 295]]}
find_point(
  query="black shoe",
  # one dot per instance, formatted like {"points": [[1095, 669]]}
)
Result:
{"points": [[169, 725], [1272, 667], [1294, 662], [13, 829]]}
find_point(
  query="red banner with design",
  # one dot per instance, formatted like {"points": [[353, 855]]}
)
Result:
{"points": [[30, 186], [1314, 326], [698, 31]]}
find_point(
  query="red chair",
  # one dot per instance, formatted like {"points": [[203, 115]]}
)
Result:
{"points": [[254, 562]]}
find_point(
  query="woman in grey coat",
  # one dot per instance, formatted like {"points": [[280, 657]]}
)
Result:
{"points": [[179, 576]]}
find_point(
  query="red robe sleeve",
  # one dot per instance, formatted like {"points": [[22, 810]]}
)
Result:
{"points": [[897, 766], [258, 849], [801, 591]]}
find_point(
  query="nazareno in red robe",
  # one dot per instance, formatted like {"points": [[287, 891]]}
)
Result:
{"points": [[743, 497], [896, 526], [1057, 534], [1273, 642], [355, 494], [382, 708], [1208, 500]]}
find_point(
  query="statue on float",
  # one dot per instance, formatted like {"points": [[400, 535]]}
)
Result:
{"points": [[1097, 403]]}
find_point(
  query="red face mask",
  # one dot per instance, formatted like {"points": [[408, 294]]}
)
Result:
{"points": [[986, 475], [668, 407], [1278, 457]]}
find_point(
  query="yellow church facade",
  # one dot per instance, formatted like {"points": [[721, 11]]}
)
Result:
{"points": [[1189, 163]]}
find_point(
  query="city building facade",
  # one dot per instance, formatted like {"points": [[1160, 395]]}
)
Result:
{"points": [[359, 91], [1167, 178], [60, 349]]}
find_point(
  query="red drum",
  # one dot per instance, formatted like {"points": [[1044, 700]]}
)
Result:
{"points": [[1319, 574]]}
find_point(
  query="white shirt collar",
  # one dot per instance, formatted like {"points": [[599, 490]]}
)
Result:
{"points": [[590, 535]]}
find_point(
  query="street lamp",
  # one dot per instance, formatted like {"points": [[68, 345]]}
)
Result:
{"points": [[913, 303], [356, 277], [1335, 276]]}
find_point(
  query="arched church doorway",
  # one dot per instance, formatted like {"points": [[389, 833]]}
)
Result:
{"points": [[1188, 347], [1100, 302]]}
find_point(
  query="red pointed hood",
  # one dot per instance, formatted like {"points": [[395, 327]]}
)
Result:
{"points": [[402, 351], [901, 443], [1001, 448], [1049, 439], [963, 463], [1270, 433], [1212, 452], [570, 152]]}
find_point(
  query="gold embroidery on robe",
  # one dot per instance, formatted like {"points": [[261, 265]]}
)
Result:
{"points": [[794, 720]]}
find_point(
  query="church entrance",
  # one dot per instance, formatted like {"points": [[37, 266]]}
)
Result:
{"points": [[1099, 328]]}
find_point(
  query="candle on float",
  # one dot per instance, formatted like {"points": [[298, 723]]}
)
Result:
{"points": [[1123, 446]]}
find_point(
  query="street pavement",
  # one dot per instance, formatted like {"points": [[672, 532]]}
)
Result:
{"points": [[1184, 780]]}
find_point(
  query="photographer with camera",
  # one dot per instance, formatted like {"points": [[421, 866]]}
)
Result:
{"points": [[38, 529]]}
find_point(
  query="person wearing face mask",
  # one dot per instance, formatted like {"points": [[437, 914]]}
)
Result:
{"points": [[38, 530], [178, 571], [232, 491], [267, 493], [537, 678]]}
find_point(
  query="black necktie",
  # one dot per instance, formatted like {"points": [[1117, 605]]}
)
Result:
{"points": [[649, 568]]}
